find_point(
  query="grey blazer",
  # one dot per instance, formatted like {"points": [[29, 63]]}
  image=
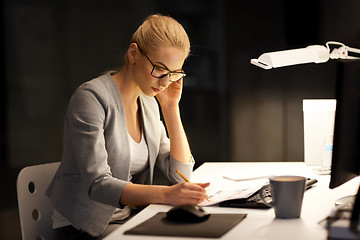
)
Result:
{"points": [[95, 165]]}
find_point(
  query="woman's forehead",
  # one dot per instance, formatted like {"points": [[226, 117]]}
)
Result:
{"points": [[170, 57]]}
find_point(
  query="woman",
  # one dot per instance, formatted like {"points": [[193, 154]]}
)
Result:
{"points": [[113, 137]]}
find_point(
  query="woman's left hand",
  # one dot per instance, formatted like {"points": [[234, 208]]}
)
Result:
{"points": [[170, 97]]}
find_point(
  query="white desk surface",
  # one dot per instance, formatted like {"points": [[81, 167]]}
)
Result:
{"points": [[260, 224]]}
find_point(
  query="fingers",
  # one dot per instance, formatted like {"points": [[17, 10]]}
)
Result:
{"points": [[203, 185], [192, 198], [191, 193], [198, 186]]}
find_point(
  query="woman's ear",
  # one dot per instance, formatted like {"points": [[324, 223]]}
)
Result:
{"points": [[132, 53]]}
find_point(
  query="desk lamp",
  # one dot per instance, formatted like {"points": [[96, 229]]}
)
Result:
{"points": [[309, 54], [346, 155]]}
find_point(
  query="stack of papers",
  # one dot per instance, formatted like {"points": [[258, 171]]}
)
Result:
{"points": [[233, 188]]}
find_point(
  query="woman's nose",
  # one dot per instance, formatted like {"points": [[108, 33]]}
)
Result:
{"points": [[165, 81]]}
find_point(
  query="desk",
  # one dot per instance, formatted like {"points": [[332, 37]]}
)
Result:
{"points": [[260, 224]]}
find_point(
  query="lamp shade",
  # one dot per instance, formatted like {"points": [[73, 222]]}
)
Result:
{"points": [[310, 54]]}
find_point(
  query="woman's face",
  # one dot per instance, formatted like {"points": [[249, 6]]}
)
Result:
{"points": [[167, 58]]}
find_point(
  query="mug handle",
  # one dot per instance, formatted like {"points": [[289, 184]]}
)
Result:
{"points": [[261, 194]]}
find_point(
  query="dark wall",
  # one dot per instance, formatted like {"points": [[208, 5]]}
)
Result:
{"points": [[52, 47], [266, 105], [232, 110]]}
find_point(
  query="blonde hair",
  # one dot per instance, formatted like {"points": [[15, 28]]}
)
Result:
{"points": [[160, 31]]}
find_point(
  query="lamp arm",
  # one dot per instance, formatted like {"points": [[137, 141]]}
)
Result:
{"points": [[342, 52], [355, 50]]}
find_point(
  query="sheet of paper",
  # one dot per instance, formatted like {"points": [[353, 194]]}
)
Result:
{"points": [[245, 178], [218, 192]]}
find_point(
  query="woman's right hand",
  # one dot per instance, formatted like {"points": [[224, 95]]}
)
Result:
{"points": [[186, 193]]}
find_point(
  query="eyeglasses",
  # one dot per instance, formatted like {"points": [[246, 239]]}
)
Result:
{"points": [[161, 72]]}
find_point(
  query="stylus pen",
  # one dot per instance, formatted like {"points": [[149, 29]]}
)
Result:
{"points": [[182, 176]]}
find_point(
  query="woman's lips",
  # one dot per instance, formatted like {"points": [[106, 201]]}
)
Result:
{"points": [[156, 90]]}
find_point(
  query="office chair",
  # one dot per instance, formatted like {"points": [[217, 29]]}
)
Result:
{"points": [[35, 208]]}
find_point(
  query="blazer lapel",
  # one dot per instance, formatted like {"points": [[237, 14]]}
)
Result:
{"points": [[123, 168]]}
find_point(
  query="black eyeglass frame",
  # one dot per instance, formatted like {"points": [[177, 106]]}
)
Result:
{"points": [[164, 68]]}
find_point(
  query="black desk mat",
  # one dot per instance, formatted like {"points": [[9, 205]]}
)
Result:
{"points": [[214, 227]]}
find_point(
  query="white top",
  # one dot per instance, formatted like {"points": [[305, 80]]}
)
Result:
{"points": [[139, 155]]}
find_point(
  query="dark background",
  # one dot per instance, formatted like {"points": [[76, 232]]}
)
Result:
{"points": [[231, 110]]}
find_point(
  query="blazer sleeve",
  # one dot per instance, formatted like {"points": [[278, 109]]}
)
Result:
{"points": [[86, 119], [168, 164]]}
